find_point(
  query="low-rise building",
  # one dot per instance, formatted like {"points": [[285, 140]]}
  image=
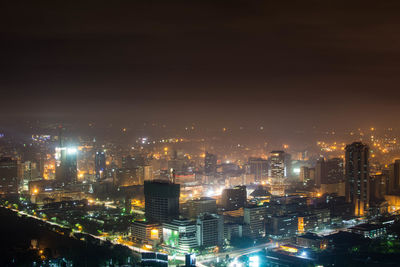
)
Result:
{"points": [[310, 240], [281, 226], [146, 233], [369, 230], [180, 234]]}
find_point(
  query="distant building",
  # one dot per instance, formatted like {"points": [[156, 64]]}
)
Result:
{"points": [[338, 188], [307, 174], [210, 164], [329, 171], [100, 165], [378, 186], [161, 201], [277, 164], [210, 230], [394, 176], [133, 161], [66, 165], [357, 177], [259, 168], [8, 176], [234, 198]]}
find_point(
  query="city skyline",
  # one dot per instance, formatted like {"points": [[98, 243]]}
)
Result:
{"points": [[209, 134]]}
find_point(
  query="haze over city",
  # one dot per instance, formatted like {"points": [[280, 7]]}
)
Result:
{"points": [[200, 133]]}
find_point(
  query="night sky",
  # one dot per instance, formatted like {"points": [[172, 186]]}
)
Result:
{"points": [[293, 63]]}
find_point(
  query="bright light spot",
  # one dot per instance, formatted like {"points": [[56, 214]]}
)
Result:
{"points": [[296, 170], [71, 150], [304, 254], [254, 261]]}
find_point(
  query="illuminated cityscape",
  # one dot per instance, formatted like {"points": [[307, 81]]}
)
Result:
{"points": [[240, 134]]}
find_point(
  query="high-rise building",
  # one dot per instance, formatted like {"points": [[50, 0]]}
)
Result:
{"points": [[254, 219], [210, 230], [133, 161], [200, 206], [334, 170], [161, 201], [394, 176], [29, 172], [357, 177], [259, 168], [277, 164], [66, 165], [320, 172], [100, 164], [329, 171], [8, 176], [307, 174], [210, 164], [234, 198]]}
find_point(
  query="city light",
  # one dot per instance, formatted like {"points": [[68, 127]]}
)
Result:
{"points": [[254, 261], [71, 150]]}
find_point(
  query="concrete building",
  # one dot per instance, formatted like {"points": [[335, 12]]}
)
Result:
{"points": [[9, 181], [357, 177], [276, 164], [210, 164], [100, 165], [180, 234], [394, 177], [254, 220], [200, 206], [234, 198], [281, 226], [146, 233], [369, 230], [259, 168], [310, 240], [161, 201], [210, 230], [66, 165]]}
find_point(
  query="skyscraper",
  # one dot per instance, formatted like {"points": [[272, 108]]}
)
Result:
{"points": [[277, 164], [320, 172], [161, 201], [210, 164], [329, 171], [66, 165], [258, 167], [394, 176], [357, 177], [100, 164], [8, 176]]}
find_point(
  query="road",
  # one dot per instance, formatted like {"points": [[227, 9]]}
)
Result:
{"points": [[202, 261]]}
